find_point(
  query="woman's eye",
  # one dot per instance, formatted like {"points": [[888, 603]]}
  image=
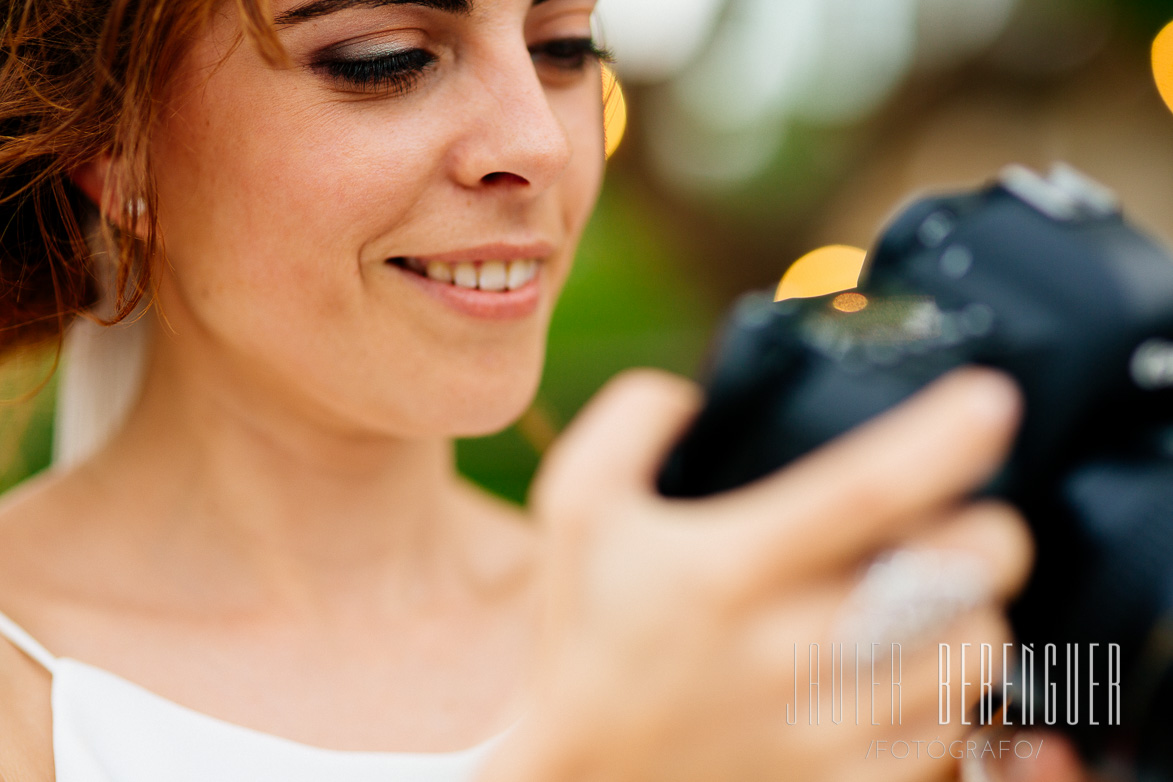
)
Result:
{"points": [[393, 72], [569, 54]]}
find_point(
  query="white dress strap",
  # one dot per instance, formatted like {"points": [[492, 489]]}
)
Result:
{"points": [[26, 643]]}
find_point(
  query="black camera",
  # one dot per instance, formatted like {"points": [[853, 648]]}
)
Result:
{"points": [[1040, 277]]}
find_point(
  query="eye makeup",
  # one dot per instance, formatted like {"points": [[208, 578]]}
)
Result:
{"points": [[394, 71], [394, 61], [569, 54]]}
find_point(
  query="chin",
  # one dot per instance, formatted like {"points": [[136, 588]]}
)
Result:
{"points": [[473, 404], [489, 414], [490, 389]]}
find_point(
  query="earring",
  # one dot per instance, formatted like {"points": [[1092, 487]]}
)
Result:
{"points": [[614, 111], [136, 207]]}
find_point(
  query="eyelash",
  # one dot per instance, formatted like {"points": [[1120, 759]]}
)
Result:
{"points": [[398, 72], [395, 72], [570, 54]]}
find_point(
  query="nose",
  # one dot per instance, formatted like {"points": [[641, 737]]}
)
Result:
{"points": [[511, 136]]}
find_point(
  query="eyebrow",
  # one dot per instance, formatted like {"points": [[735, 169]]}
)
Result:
{"points": [[318, 8]]}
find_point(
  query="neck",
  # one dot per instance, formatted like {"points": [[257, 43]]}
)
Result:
{"points": [[282, 505]]}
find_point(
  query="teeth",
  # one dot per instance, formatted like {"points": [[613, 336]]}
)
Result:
{"points": [[492, 276], [486, 275], [440, 272], [465, 275], [521, 272]]}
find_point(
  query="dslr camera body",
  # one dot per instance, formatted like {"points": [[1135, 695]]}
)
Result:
{"points": [[1040, 277]]}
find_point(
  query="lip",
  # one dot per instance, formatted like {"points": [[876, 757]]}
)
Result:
{"points": [[486, 305]]}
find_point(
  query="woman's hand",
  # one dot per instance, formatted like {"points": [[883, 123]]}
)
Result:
{"points": [[672, 625]]}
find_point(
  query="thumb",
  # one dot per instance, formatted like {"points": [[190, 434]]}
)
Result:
{"points": [[618, 442]]}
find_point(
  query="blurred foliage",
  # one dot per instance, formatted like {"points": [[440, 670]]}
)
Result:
{"points": [[625, 304], [27, 390], [652, 276]]}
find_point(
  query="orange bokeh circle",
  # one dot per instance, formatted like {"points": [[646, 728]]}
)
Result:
{"points": [[1163, 63]]}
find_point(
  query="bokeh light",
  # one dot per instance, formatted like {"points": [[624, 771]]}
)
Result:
{"points": [[758, 129]]}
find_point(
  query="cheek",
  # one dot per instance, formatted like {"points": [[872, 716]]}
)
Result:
{"points": [[265, 216], [582, 116], [290, 198], [269, 205]]}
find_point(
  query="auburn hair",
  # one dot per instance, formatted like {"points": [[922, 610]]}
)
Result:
{"points": [[83, 81]]}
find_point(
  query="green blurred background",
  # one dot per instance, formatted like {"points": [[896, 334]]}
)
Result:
{"points": [[689, 218]]}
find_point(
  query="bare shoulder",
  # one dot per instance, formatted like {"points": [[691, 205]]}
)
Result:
{"points": [[42, 524], [26, 724]]}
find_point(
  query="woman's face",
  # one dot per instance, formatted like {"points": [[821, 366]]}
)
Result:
{"points": [[377, 232]]}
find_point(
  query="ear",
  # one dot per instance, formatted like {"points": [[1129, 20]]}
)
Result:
{"points": [[91, 179], [97, 181]]}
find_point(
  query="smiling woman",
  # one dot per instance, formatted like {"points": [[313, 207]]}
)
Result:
{"points": [[348, 222]]}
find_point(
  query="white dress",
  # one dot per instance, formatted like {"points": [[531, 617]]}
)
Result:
{"points": [[108, 729]]}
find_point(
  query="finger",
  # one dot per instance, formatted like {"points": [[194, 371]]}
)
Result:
{"points": [[870, 486], [978, 558], [951, 675], [889, 680], [926, 715], [941, 592], [617, 443], [995, 535]]}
